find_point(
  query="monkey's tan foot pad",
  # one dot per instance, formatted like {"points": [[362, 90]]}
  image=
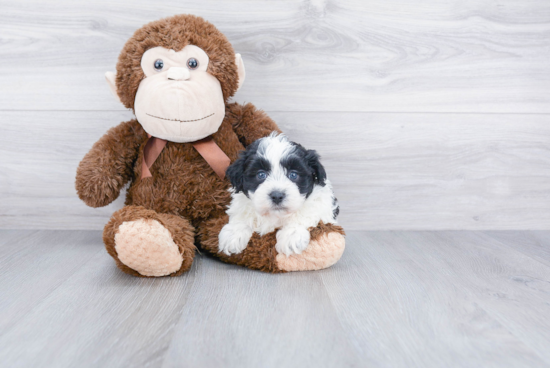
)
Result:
{"points": [[321, 253], [146, 246]]}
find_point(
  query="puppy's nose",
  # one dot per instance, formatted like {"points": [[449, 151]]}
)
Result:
{"points": [[175, 73], [277, 196]]}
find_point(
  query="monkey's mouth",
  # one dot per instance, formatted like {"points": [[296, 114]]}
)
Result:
{"points": [[180, 121]]}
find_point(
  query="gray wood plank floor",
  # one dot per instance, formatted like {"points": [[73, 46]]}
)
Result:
{"points": [[396, 299]]}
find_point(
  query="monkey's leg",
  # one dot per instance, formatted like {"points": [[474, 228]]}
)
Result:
{"points": [[146, 243], [325, 248]]}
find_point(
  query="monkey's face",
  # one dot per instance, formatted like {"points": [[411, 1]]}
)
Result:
{"points": [[179, 95], [178, 100]]}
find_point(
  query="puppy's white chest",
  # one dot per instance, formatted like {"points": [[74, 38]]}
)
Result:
{"points": [[266, 224]]}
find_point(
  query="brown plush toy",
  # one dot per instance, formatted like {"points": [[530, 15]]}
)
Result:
{"points": [[177, 75]]}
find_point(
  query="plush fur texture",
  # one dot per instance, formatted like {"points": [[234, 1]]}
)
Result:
{"points": [[181, 230], [260, 254], [182, 181], [184, 195], [277, 184]]}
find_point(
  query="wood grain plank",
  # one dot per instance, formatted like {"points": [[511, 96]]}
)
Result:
{"points": [[241, 318], [11, 236], [99, 317], [401, 311], [390, 171], [535, 244], [511, 287], [398, 56], [43, 150], [399, 299], [433, 171], [33, 264]]}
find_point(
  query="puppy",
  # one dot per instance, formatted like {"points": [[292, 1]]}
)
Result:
{"points": [[277, 184]]}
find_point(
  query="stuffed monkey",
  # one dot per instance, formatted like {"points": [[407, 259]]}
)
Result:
{"points": [[177, 75]]}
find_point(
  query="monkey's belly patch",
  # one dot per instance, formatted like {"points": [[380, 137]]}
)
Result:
{"points": [[146, 246]]}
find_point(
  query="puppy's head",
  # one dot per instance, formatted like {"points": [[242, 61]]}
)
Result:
{"points": [[276, 174]]}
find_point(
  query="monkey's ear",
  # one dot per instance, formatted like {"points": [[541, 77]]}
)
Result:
{"points": [[240, 70], [110, 77]]}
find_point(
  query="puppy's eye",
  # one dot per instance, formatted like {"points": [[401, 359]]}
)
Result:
{"points": [[159, 64], [261, 175], [192, 63], [293, 175]]}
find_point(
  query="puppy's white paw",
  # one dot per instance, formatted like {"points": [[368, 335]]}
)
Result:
{"points": [[292, 239], [234, 238]]}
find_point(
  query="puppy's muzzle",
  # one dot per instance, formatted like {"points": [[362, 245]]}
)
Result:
{"points": [[277, 196]]}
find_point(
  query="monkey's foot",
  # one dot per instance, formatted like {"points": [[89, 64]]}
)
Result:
{"points": [[325, 248], [146, 246], [146, 243], [322, 252]]}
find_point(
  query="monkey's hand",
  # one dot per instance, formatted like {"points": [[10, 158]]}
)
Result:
{"points": [[108, 166], [97, 181], [250, 123]]}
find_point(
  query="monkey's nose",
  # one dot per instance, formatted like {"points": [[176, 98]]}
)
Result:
{"points": [[175, 73]]}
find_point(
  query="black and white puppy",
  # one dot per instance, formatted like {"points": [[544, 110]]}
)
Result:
{"points": [[277, 184]]}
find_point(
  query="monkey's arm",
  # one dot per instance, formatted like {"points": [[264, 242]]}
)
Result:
{"points": [[107, 167], [250, 123]]}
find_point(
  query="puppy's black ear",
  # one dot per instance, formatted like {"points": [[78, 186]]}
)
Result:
{"points": [[313, 161], [235, 173]]}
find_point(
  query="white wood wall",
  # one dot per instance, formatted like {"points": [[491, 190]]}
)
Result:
{"points": [[429, 114]]}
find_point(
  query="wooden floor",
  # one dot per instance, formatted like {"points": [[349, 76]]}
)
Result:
{"points": [[396, 299]]}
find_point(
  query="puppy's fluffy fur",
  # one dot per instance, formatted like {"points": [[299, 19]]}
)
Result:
{"points": [[277, 184]]}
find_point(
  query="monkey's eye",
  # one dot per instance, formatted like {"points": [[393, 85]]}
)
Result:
{"points": [[192, 63], [293, 175], [159, 64], [261, 175]]}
